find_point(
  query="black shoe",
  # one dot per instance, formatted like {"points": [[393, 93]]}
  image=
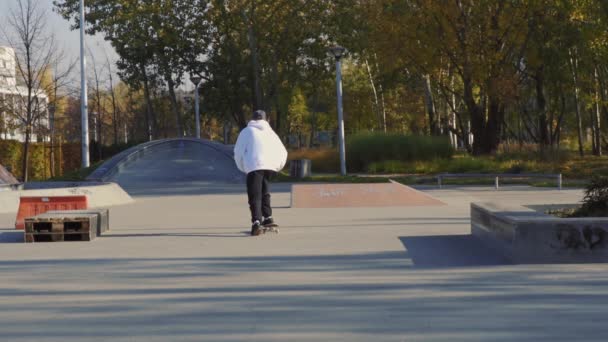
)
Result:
{"points": [[256, 229], [269, 222]]}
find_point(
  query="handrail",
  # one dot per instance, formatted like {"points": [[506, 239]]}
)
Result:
{"points": [[496, 176]]}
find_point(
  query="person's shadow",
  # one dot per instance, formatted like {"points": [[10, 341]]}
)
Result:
{"points": [[450, 251]]}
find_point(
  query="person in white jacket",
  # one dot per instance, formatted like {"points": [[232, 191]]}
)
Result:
{"points": [[260, 154]]}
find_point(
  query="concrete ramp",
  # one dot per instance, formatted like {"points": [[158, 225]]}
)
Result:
{"points": [[6, 178], [359, 195]]}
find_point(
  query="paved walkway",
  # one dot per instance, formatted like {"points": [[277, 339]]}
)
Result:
{"points": [[179, 266]]}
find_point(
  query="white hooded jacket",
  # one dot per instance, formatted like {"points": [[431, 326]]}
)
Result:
{"points": [[258, 147]]}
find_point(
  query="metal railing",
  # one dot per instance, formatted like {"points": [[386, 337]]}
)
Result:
{"points": [[497, 176]]}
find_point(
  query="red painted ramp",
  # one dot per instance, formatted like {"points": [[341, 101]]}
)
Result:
{"points": [[358, 195]]}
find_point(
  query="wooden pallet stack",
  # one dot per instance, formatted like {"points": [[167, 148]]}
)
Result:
{"points": [[103, 217], [61, 226]]}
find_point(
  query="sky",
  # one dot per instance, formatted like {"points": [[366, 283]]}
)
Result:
{"points": [[66, 39]]}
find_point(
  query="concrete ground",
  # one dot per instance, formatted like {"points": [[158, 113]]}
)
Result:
{"points": [[180, 266]]}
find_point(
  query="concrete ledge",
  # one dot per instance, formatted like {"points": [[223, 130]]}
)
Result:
{"points": [[11, 187], [98, 194], [527, 236]]}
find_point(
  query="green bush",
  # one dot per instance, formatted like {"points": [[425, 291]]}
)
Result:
{"points": [[363, 150], [10, 156], [595, 202], [67, 158]]}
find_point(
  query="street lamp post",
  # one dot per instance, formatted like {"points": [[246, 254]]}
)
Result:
{"points": [[337, 52], [197, 80], [84, 118], [51, 110]]}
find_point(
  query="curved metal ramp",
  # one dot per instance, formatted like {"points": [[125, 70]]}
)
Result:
{"points": [[171, 166]]}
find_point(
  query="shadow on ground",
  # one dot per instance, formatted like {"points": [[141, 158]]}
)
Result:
{"points": [[450, 251], [10, 235], [360, 297]]}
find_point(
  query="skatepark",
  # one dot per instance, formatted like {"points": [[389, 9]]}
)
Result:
{"points": [[178, 264]]}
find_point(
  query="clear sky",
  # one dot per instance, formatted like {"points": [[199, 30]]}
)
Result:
{"points": [[66, 39]]}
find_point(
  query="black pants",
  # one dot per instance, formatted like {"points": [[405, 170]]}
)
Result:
{"points": [[258, 191]]}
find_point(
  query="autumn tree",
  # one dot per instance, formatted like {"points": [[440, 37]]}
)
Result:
{"points": [[35, 51]]}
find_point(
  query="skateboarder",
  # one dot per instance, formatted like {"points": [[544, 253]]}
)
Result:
{"points": [[260, 154]]}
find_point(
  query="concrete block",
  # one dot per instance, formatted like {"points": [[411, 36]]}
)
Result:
{"points": [[526, 236]]}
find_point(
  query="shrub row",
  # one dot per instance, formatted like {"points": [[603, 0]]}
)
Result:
{"points": [[67, 157], [377, 153], [363, 150]]}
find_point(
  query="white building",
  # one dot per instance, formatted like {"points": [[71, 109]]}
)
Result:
{"points": [[11, 95]]}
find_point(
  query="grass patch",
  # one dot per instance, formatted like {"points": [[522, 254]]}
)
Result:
{"points": [[76, 175], [563, 213], [574, 167]]}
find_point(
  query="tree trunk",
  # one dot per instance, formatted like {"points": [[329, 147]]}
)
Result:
{"points": [[150, 117], [275, 94], [313, 118], [375, 103], [430, 106], [486, 132], [496, 114], [52, 130], [26, 155], [99, 117], [478, 121], [227, 132], [555, 136], [597, 119], [452, 122], [579, 120], [174, 106], [381, 90], [114, 111], [253, 47], [543, 126], [602, 94], [550, 122]]}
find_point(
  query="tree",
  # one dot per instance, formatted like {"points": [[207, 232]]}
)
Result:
{"points": [[35, 52], [479, 42], [115, 108], [59, 91], [157, 41]]}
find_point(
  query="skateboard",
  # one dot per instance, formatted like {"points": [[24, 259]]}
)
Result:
{"points": [[271, 228]]}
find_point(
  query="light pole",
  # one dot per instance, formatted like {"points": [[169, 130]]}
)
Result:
{"points": [[84, 118], [51, 109], [337, 52], [197, 80]]}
